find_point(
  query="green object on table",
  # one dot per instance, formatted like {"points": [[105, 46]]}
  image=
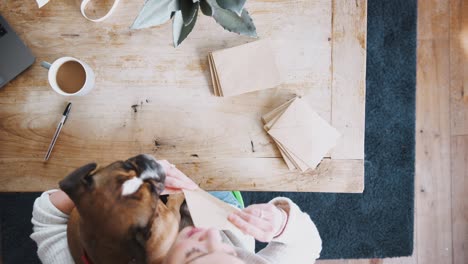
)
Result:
{"points": [[230, 14], [238, 196]]}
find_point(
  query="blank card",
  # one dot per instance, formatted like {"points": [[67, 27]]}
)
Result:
{"points": [[242, 69], [208, 211], [302, 136]]}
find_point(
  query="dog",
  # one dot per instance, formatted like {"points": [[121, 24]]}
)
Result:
{"points": [[107, 226]]}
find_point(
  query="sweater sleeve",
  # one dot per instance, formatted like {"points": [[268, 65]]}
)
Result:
{"points": [[50, 231], [299, 242]]}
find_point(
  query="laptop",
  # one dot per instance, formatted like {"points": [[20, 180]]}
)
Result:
{"points": [[15, 57]]}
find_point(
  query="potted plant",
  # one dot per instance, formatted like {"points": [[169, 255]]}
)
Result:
{"points": [[230, 14]]}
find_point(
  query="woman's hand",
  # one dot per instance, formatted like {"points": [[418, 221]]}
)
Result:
{"points": [[175, 179], [62, 202], [262, 221]]}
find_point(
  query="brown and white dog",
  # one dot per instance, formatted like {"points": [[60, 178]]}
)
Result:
{"points": [[109, 227]]}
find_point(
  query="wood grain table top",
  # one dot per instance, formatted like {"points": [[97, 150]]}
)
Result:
{"points": [[153, 98]]}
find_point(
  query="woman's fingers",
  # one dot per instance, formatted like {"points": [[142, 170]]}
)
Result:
{"points": [[165, 164], [173, 182], [175, 179], [264, 217], [254, 220], [257, 221], [188, 183], [248, 228], [169, 190], [260, 210]]}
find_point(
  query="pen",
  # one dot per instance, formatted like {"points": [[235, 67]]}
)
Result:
{"points": [[57, 131]]}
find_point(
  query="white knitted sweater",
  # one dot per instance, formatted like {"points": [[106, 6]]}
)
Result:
{"points": [[299, 243]]}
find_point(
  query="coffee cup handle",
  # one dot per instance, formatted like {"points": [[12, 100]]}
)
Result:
{"points": [[46, 65]]}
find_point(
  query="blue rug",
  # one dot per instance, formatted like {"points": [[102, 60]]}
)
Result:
{"points": [[375, 224]]}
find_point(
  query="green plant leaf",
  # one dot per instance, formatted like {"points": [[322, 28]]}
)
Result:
{"points": [[189, 10], [155, 12], [233, 5], [232, 22], [180, 31], [205, 7]]}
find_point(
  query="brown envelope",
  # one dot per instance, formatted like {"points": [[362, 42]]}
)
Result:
{"points": [[242, 69], [286, 157], [208, 211], [304, 133], [269, 119], [298, 163], [291, 160], [214, 76], [277, 111]]}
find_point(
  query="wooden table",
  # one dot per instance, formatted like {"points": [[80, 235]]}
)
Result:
{"points": [[153, 98]]}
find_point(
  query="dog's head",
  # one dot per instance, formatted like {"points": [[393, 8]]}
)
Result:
{"points": [[119, 208]]}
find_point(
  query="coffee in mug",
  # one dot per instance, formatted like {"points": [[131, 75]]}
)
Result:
{"points": [[69, 76]]}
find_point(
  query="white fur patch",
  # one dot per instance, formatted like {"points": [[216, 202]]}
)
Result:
{"points": [[151, 174], [131, 186]]}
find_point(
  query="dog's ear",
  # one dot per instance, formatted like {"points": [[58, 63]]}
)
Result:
{"points": [[78, 181]]}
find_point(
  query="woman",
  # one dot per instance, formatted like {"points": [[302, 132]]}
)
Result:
{"points": [[291, 235]]}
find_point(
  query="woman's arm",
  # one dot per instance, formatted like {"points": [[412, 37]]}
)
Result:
{"points": [[297, 241], [262, 221], [49, 219], [292, 236]]}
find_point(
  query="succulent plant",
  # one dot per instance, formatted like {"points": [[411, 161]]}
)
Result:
{"points": [[230, 14]]}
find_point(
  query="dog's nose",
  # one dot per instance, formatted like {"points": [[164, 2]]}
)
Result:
{"points": [[149, 168]]}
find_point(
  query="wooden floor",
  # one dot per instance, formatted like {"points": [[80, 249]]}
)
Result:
{"points": [[441, 216]]}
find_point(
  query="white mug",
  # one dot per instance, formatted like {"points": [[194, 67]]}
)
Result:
{"points": [[52, 76]]}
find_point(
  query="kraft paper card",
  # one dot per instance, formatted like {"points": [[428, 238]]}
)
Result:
{"points": [[289, 158], [242, 69], [298, 162], [270, 118], [208, 211], [303, 132], [302, 136], [214, 77]]}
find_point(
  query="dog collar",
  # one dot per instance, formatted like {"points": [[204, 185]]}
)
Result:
{"points": [[85, 258]]}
